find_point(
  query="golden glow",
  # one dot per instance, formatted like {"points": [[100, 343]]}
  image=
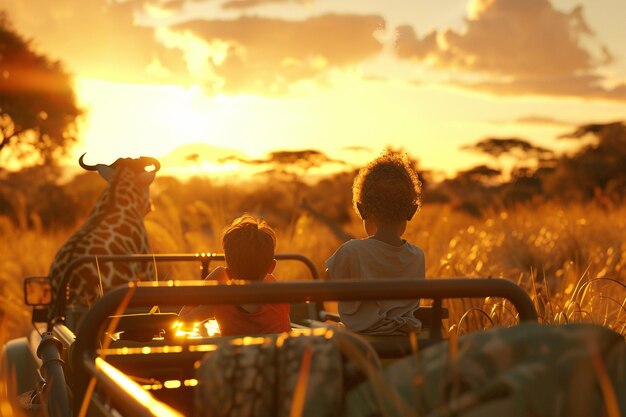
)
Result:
{"points": [[156, 12], [193, 333], [299, 394], [190, 382], [280, 340], [157, 407], [172, 383], [321, 331], [153, 387], [333, 99], [202, 348], [249, 340], [158, 119], [205, 255], [199, 54], [145, 350], [212, 327], [476, 7], [316, 331]]}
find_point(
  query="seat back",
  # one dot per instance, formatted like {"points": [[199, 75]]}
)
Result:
{"points": [[271, 376], [525, 370]]}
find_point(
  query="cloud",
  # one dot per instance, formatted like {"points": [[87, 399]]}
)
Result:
{"points": [[94, 38], [136, 41], [520, 47], [584, 86], [535, 119], [265, 55], [542, 120], [246, 4]]}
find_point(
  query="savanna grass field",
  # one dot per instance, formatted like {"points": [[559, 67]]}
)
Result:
{"points": [[508, 118], [571, 259]]}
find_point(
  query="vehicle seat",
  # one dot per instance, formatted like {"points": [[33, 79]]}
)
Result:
{"points": [[392, 346], [300, 313]]}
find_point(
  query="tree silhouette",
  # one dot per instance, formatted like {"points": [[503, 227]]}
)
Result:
{"points": [[517, 149], [479, 174], [293, 164], [471, 190], [289, 168], [38, 108], [604, 132], [598, 168]]}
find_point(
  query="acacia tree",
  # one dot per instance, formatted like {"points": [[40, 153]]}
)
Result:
{"points": [[290, 168], [519, 150], [596, 168], [38, 109]]}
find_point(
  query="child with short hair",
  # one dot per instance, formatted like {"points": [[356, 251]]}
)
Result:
{"points": [[249, 244], [386, 194]]}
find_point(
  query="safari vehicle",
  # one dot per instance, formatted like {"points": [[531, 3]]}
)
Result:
{"points": [[122, 357]]}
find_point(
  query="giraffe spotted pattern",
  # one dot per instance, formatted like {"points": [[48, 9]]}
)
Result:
{"points": [[114, 227]]}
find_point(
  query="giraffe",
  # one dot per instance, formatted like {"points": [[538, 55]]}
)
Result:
{"points": [[115, 226]]}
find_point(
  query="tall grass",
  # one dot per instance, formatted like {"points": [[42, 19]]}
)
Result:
{"points": [[570, 259], [23, 252]]}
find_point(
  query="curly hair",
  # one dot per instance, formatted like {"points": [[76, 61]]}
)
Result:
{"points": [[387, 189], [249, 244]]}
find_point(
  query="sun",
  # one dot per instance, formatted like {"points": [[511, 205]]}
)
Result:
{"points": [[135, 119]]}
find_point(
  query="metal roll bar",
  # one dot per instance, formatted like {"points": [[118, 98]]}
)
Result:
{"points": [[204, 259], [171, 293], [127, 394]]}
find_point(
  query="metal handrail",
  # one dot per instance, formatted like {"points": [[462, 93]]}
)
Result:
{"points": [[138, 404], [170, 293], [204, 259]]}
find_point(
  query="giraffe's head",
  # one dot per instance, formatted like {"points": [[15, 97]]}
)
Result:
{"points": [[134, 174]]}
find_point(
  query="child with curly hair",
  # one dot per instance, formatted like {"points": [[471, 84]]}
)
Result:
{"points": [[386, 194]]}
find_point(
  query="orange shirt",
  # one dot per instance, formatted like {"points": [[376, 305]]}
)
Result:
{"points": [[270, 318]]}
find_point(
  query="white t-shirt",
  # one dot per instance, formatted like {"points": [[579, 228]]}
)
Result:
{"points": [[373, 259]]}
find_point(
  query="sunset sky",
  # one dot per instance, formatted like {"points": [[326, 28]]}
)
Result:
{"points": [[261, 75]]}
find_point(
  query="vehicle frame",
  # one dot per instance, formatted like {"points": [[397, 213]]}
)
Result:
{"points": [[99, 374]]}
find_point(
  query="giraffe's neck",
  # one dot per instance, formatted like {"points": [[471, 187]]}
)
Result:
{"points": [[117, 214]]}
